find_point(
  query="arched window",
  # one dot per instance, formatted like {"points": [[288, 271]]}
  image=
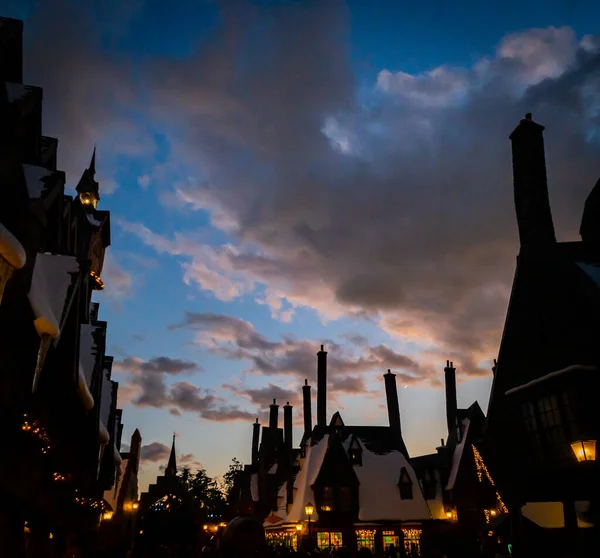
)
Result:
{"points": [[406, 485], [355, 453]]}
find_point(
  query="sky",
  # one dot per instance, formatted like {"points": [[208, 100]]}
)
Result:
{"points": [[285, 174]]}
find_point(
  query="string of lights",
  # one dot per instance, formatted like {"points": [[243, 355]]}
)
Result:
{"points": [[37, 431], [482, 471]]}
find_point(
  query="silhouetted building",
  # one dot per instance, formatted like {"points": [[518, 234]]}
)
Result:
{"points": [[57, 398], [543, 406]]}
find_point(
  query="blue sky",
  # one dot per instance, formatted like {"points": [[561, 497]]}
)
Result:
{"points": [[286, 174]]}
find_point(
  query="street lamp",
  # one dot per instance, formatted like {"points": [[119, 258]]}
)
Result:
{"points": [[584, 450], [309, 509]]}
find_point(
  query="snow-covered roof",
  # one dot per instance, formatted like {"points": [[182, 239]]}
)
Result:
{"points": [[92, 220], [88, 350], [379, 494], [11, 249], [305, 478], [83, 390], [436, 506], [273, 469], [592, 271], [254, 487], [106, 397], [457, 455], [34, 178], [49, 286], [103, 435], [568, 369]]}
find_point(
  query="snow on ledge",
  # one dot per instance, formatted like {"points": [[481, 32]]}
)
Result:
{"points": [[11, 249], [34, 176], [103, 435], [568, 369], [83, 391], [49, 286]]}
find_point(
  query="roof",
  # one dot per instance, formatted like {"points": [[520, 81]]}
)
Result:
{"points": [[568, 370], [378, 439], [458, 454]]}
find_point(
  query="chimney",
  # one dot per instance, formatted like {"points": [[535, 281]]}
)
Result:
{"points": [[273, 415], [307, 408], [287, 426], [255, 439], [391, 393], [135, 449], [534, 217], [11, 50], [450, 374], [322, 388]]}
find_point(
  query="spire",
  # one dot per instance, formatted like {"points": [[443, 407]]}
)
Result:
{"points": [[87, 188], [92, 167], [171, 470]]}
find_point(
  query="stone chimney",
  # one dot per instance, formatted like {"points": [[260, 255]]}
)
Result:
{"points": [[307, 408], [532, 204], [274, 415], [450, 377], [391, 393], [255, 440], [287, 427], [322, 388]]}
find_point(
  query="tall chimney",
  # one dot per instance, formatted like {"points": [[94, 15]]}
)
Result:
{"points": [[287, 427], [307, 408], [391, 393], [322, 388], [534, 217], [273, 415], [450, 376], [255, 439]]}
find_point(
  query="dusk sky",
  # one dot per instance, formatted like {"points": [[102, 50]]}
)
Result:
{"points": [[282, 174]]}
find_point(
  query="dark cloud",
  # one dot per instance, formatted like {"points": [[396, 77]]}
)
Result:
{"points": [[263, 397], [398, 209], [159, 365], [155, 452]]}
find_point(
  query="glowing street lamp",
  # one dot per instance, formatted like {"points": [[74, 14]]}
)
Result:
{"points": [[584, 450], [309, 509]]}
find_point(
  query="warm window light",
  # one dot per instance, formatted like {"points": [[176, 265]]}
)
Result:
{"points": [[135, 505], [584, 450], [88, 198], [222, 524], [205, 527], [107, 515], [493, 513], [325, 508], [298, 527], [309, 509], [448, 514]]}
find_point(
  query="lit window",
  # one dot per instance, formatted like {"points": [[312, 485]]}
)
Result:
{"points": [[412, 541], [390, 539], [406, 485], [327, 499], [329, 540], [365, 538]]}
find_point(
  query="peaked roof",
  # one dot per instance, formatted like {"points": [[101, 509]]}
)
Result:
{"points": [[87, 182], [171, 469]]}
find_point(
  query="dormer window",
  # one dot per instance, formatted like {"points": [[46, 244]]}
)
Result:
{"points": [[429, 488], [355, 454], [327, 499], [406, 485]]}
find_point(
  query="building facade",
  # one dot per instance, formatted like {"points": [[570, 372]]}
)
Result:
{"points": [[58, 402], [543, 423]]}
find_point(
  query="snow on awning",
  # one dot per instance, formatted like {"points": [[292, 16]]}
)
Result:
{"points": [[106, 397], [49, 286], [34, 178], [88, 350], [83, 391], [546, 377], [11, 249], [457, 455]]}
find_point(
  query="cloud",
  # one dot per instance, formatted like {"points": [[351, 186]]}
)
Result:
{"points": [[144, 181], [155, 452], [148, 386], [399, 209], [118, 282]]}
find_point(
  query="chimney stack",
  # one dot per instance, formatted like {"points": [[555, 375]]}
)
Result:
{"points": [[532, 204], [255, 439], [287, 427], [450, 377], [322, 388], [391, 393], [307, 408], [273, 415]]}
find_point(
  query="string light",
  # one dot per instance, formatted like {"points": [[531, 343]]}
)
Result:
{"points": [[412, 533], [37, 431], [99, 283], [481, 471]]}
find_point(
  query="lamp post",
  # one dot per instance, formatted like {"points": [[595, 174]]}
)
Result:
{"points": [[309, 509]]}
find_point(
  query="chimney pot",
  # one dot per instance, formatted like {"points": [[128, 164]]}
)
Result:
{"points": [[274, 415], [528, 116]]}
